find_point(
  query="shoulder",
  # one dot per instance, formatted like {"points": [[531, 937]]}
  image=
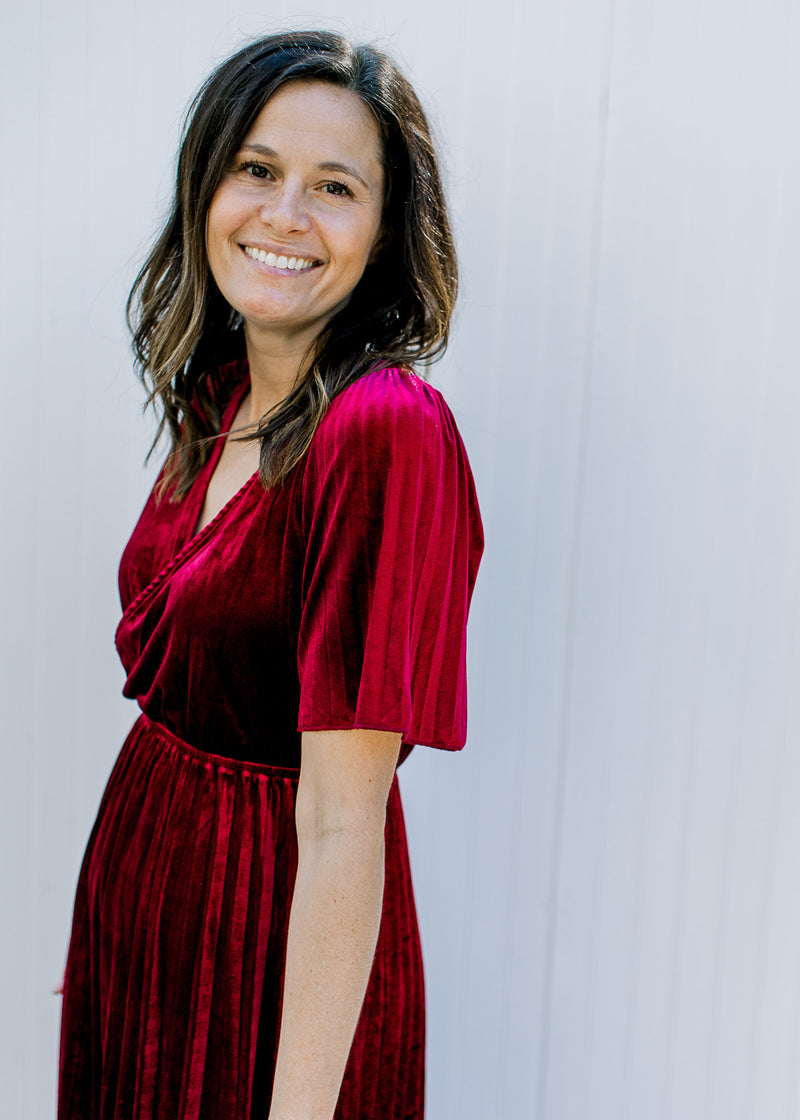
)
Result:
{"points": [[383, 409], [390, 391]]}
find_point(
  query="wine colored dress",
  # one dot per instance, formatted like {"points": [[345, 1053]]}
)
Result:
{"points": [[337, 600]]}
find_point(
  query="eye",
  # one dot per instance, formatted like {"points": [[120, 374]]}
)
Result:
{"points": [[337, 189], [254, 170]]}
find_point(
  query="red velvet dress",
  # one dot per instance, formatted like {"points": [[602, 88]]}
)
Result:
{"points": [[338, 600]]}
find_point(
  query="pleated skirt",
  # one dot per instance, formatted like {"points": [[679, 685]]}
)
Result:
{"points": [[172, 991]]}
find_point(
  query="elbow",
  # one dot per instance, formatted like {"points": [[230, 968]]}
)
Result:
{"points": [[319, 827]]}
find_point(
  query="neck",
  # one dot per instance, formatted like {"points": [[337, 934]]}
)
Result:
{"points": [[276, 366]]}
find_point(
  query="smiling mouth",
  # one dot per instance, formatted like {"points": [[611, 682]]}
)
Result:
{"points": [[293, 264]]}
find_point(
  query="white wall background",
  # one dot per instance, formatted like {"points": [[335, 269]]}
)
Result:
{"points": [[608, 876]]}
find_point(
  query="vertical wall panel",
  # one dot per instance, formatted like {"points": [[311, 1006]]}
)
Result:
{"points": [[606, 877]]}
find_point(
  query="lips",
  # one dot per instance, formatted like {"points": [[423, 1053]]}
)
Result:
{"points": [[293, 264]]}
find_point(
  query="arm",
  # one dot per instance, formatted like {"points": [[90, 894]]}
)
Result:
{"points": [[345, 778]]}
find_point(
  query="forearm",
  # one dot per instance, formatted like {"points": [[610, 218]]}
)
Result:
{"points": [[333, 930]]}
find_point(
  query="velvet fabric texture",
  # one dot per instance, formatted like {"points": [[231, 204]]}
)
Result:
{"points": [[337, 600]]}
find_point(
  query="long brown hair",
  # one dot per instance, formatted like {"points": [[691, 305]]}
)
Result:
{"points": [[184, 330]]}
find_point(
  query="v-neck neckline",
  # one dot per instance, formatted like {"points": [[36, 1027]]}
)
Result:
{"points": [[192, 533], [191, 543]]}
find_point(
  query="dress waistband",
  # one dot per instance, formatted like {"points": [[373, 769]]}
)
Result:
{"points": [[218, 762]]}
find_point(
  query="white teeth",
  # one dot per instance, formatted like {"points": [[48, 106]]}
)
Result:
{"points": [[296, 264]]}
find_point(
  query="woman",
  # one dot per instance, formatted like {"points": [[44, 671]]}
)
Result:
{"points": [[244, 941]]}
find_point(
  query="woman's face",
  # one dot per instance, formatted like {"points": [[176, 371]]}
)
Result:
{"points": [[297, 214]]}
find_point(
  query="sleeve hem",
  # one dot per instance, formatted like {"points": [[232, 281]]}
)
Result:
{"points": [[437, 744]]}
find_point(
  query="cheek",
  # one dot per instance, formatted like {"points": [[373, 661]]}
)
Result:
{"points": [[212, 233], [221, 220], [360, 240]]}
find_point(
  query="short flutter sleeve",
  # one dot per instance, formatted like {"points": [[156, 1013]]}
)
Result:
{"points": [[393, 540]]}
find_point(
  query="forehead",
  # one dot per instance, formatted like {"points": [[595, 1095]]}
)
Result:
{"points": [[319, 119]]}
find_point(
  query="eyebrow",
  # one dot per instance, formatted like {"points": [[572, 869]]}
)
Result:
{"points": [[328, 165]]}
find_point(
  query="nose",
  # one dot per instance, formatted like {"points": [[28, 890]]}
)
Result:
{"points": [[285, 210]]}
